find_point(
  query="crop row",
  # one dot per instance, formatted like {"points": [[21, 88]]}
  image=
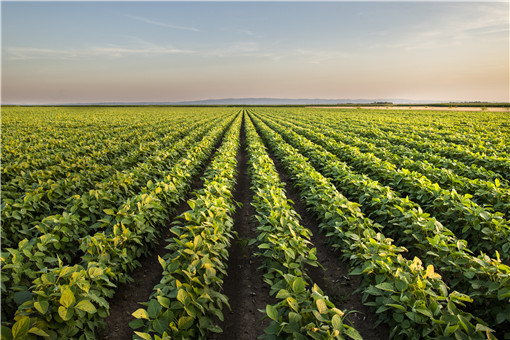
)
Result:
{"points": [[36, 133], [69, 301], [53, 151], [59, 236], [484, 155], [443, 139], [415, 301], [373, 131], [498, 162], [433, 264], [302, 312], [484, 192], [474, 142], [485, 280], [119, 155], [471, 131], [485, 230], [417, 152], [188, 299], [71, 197]]}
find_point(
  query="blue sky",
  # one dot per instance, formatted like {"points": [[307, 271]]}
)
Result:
{"points": [[58, 52]]}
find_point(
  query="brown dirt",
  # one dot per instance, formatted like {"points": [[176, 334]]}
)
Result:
{"points": [[244, 285], [128, 296], [334, 279]]}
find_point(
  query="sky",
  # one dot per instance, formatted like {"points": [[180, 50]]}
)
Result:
{"points": [[79, 52]]}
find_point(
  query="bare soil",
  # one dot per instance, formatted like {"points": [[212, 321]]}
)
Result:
{"points": [[244, 285]]}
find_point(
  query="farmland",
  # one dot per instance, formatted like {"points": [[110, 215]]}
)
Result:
{"points": [[224, 222]]}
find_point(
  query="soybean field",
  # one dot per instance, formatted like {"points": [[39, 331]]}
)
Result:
{"points": [[240, 223]]}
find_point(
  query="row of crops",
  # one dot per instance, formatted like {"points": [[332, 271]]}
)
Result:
{"points": [[71, 233], [417, 204]]}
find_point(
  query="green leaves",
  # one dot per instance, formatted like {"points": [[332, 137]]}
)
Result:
{"points": [[67, 298], [144, 336], [336, 322], [109, 212], [298, 285], [65, 313], [95, 272], [153, 309], [352, 333], [185, 322], [141, 314], [20, 328], [301, 313], [188, 300], [88, 204], [272, 312], [86, 306], [386, 286], [41, 306], [165, 302], [396, 306], [183, 297], [407, 295], [321, 306], [293, 303], [115, 227]]}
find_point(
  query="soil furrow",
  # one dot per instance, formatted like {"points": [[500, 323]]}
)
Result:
{"points": [[334, 279], [244, 285]]}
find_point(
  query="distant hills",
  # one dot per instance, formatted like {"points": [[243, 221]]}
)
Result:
{"points": [[285, 101], [277, 102], [269, 101]]}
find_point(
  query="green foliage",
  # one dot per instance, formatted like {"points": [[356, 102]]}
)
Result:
{"points": [[285, 247], [128, 229], [189, 298], [429, 308], [92, 187], [423, 235], [453, 209]]}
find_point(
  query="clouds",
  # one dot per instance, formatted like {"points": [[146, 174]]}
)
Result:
{"points": [[236, 50], [110, 52], [447, 26], [162, 24]]}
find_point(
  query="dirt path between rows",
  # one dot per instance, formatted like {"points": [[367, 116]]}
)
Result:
{"points": [[244, 285], [334, 279]]}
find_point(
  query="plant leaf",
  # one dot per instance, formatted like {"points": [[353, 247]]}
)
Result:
{"points": [[272, 312], [141, 314], [41, 306], [20, 328], [67, 298], [87, 306]]}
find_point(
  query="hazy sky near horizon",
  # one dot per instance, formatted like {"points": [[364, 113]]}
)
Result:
{"points": [[68, 52]]}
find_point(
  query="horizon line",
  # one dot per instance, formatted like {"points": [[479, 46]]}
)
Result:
{"points": [[401, 101]]}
